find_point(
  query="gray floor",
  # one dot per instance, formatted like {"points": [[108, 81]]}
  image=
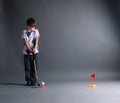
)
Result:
{"points": [[61, 92]]}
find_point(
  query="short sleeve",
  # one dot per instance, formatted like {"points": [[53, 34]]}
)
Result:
{"points": [[23, 34], [37, 33]]}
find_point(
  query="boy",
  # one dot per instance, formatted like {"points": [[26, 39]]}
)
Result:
{"points": [[30, 38]]}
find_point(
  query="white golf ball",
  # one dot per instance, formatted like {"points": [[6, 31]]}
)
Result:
{"points": [[43, 83]]}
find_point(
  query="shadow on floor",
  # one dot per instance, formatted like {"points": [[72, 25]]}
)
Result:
{"points": [[19, 84]]}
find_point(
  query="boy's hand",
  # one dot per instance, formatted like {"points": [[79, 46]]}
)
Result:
{"points": [[29, 51], [33, 50]]}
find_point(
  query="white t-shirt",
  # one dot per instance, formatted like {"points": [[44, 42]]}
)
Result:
{"points": [[30, 36]]}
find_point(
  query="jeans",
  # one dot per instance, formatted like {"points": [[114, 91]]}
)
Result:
{"points": [[31, 67]]}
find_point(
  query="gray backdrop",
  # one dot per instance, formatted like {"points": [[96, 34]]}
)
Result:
{"points": [[78, 37]]}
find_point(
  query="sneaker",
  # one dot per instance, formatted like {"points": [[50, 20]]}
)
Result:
{"points": [[34, 85], [28, 83]]}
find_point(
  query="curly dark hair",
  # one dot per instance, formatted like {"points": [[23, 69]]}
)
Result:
{"points": [[31, 22]]}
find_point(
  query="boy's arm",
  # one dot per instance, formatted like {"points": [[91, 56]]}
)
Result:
{"points": [[36, 42], [26, 44]]}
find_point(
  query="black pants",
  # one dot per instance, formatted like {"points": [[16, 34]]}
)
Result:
{"points": [[31, 67]]}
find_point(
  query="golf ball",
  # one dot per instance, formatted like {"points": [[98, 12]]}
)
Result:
{"points": [[43, 83]]}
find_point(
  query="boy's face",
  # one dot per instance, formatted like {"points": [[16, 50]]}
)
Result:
{"points": [[30, 28]]}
